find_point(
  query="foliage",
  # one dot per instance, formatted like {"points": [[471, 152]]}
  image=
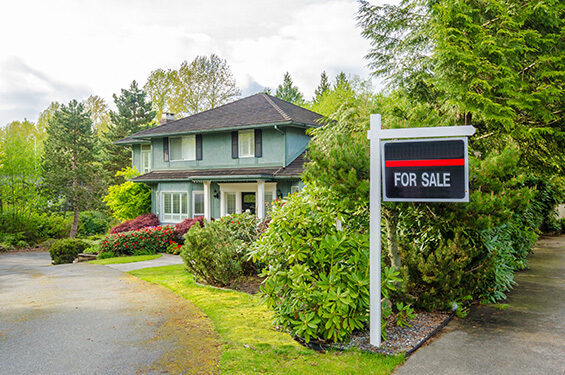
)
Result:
{"points": [[66, 250], [266, 351], [322, 88], [287, 91], [129, 199], [134, 114], [317, 277], [204, 83], [183, 227], [140, 222], [218, 252], [69, 163], [93, 222], [145, 241], [99, 113], [32, 228], [405, 313], [174, 248]]}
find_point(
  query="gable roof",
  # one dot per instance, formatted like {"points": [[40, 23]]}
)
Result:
{"points": [[254, 110]]}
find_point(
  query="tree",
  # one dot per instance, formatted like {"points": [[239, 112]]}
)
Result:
{"points": [[322, 88], [205, 83], [287, 91], [498, 65], [134, 114], [69, 163], [160, 89], [99, 113], [129, 199]]}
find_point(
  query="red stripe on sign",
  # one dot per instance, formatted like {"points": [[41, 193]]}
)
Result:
{"points": [[424, 163]]}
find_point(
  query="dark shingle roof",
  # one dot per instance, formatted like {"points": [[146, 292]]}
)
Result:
{"points": [[253, 110], [293, 170]]}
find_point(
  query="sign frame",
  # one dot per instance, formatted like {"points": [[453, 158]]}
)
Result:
{"points": [[465, 198], [375, 135]]}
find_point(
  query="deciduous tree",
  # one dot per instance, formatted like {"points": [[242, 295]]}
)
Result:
{"points": [[287, 91]]}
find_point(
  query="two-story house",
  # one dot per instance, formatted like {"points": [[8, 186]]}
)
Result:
{"points": [[229, 159]]}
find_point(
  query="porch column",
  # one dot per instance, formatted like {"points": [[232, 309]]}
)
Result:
{"points": [[260, 199], [207, 200], [222, 203]]}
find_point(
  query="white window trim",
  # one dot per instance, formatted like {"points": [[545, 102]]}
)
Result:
{"points": [[183, 136], [239, 188], [163, 206], [239, 148], [194, 193], [150, 152]]}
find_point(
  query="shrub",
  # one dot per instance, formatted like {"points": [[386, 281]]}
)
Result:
{"points": [[65, 251], [141, 242], [317, 276], [218, 252], [140, 222], [183, 227], [33, 227], [92, 223], [130, 199]]}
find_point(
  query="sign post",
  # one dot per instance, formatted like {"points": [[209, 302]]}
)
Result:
{"points": [[418, 170]]}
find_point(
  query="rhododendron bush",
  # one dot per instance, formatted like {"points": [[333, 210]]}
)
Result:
{"points": [[140, 222], [148, 240]]}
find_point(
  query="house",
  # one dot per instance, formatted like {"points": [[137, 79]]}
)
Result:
{"points": [[229, 159]]}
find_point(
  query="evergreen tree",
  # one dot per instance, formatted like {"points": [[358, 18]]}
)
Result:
{"points": [[70, 169], [287, 91], [322, 88], [134, 114]]}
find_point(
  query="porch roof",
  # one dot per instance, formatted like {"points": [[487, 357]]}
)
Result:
{"points": [[292, 171]]}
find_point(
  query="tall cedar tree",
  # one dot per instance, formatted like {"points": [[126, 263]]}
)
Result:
{"points": [[70, 169], [287, 91], [498, 64], [134, 115]]}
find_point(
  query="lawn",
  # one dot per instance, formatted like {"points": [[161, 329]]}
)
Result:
{"points": [[250, 344], [132, 259]]}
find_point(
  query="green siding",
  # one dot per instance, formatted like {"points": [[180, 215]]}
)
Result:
{"points": [[296, 143], [136, 157]]}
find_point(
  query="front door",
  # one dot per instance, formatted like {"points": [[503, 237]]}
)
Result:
{"points": [[248, 202]]}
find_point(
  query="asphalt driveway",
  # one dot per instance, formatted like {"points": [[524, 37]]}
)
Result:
{"points": [[527, 337], [90, 319]]}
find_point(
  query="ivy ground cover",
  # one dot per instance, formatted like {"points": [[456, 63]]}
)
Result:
{"points": [[250, 344]]}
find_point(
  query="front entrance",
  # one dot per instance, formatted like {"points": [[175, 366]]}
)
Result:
{"points": [[248, 202]]}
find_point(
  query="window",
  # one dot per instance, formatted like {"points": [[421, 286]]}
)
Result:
{"points": [[197, 203], [246, 143], [183, 148], [294, 189], [146, 158], [268, 202], [174, 207], [230, 203]]}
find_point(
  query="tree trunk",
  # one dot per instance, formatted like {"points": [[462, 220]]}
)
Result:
{"points": [[391, 222], [74, 227]]}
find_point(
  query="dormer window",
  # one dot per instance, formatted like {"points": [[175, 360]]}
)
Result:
{"points": [[182, 148]]}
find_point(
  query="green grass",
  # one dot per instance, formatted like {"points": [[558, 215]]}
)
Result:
{"points": [[132, 259], [250, 344]]}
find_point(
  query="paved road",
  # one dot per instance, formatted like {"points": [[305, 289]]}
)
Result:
{"points": [[90, 319], [528, 337]]}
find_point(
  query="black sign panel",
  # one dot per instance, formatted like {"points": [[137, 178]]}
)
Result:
{"points": [[425, 170]]}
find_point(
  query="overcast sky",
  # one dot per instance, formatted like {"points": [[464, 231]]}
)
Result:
{"points": [[59, 50]]}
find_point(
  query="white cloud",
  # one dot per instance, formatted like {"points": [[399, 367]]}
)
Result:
{"points": [[58, 49]]}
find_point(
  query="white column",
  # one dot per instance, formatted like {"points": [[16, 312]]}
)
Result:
{"points": [[260, 200], [274, 191], [207, 200], [222, 203]]}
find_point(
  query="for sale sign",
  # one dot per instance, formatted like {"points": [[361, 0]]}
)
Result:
{"points": [[427, 170]]}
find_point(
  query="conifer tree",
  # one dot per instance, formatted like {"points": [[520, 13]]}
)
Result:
{"points": [[70, 169], [134, 114], [287, 91], [322, 88]]}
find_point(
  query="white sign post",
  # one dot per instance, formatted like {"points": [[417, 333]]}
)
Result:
{"points": [[376, 134]]}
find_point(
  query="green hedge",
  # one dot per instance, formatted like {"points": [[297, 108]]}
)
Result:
{"points": [[65, 251]]}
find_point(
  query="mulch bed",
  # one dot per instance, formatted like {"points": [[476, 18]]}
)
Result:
{"points": [[248, 284]]}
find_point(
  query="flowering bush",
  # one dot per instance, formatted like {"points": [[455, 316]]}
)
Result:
{"points": [[148, 240], [143, 221], [174, 248], [183, 227]]}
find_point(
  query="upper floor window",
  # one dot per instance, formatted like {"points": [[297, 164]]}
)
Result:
{"points": [[183, 148], [246, 143], [146, 158]]}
